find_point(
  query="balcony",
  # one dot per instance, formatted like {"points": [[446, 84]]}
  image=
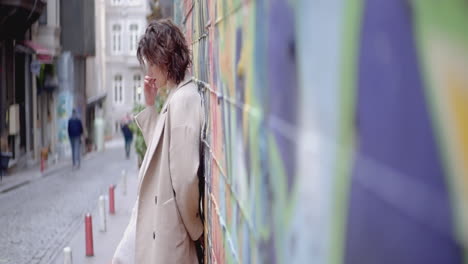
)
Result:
{"points": [[16, 16], [49, 37]]}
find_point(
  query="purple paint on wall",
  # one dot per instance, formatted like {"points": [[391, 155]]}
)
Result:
{"points": [[397, 170], [282, 86]]}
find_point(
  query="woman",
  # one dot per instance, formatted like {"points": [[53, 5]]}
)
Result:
{"points": [[165, 221]]}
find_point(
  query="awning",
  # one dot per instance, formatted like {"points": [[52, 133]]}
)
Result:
{"points": [[43, 55], [96, 99]]}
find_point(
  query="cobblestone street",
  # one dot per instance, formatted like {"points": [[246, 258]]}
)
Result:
{"points": [[38, 218]]}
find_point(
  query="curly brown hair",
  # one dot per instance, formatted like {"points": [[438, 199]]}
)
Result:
{"points": [[164, 45]]}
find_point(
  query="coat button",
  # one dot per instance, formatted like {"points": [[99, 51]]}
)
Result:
{"points": [[156, 199], [154, 235]]}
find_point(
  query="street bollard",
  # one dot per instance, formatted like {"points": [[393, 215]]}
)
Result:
{"points": [[42, 164], [102, 213], [67, 256], [89, 235], [111, 200], [124, 182]]}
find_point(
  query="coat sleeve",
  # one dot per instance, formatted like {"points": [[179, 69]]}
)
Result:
{"points": [[184, 158], [146, 120]]}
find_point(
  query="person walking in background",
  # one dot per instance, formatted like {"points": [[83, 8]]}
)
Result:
{"points": [[75, 130], [128, 135]]}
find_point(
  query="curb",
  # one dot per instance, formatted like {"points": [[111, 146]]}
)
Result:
{"points": [[53, 170]]}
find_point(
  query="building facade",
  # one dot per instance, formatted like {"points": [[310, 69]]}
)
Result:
{"points": [[21, 62], [96, 91], [125, 22], [78, 51], [46, 36]]}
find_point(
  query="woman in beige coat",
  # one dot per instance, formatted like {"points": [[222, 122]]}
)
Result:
{"points": [[165, 222]]}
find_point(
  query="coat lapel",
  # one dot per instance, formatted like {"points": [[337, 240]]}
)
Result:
{"points": [[156, 137], [152, 146]]}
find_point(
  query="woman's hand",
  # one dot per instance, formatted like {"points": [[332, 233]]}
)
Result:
{"points": [[150, 90]]}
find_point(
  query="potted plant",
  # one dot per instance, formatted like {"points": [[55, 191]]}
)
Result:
{"points": [[140, 146]]}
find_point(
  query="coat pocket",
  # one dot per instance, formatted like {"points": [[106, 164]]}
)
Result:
{"points": [[171, 224]]}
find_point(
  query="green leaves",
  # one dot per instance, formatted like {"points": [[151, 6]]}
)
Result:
{"points": [[140, 145]]}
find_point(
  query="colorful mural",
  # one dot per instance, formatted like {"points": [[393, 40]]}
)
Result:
{"points": [[64, 111], [337, 130]]}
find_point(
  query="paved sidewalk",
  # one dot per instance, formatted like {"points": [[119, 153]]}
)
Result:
{"points": [[22, 177], [104, 243]]}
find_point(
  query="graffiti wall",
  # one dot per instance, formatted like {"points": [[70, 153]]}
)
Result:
{"points": [[64, 110], [337, 130], [65, 103]]}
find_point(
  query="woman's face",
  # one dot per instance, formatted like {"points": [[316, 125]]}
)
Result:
{"points": [[158, 75]]}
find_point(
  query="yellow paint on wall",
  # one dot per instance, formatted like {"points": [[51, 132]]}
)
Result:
{"points": [[458, 97], [447, 67]]}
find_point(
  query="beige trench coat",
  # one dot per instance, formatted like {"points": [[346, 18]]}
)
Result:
{"points": [[167, 219]]}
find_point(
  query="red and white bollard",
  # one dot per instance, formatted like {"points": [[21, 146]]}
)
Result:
{"points": [[89, 235], [42, 164], [102, 213], [67, 256], [111, 200], [124, 182]]}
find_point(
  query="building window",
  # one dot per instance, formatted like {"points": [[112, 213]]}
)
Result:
{"points": [[133, 37], [118, 89], [116, 38], [133, 2], [116, 2], [137, 90]]}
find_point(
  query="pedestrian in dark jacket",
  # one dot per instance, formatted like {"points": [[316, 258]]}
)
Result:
{"points": [[75, 130], [128, 136]]}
